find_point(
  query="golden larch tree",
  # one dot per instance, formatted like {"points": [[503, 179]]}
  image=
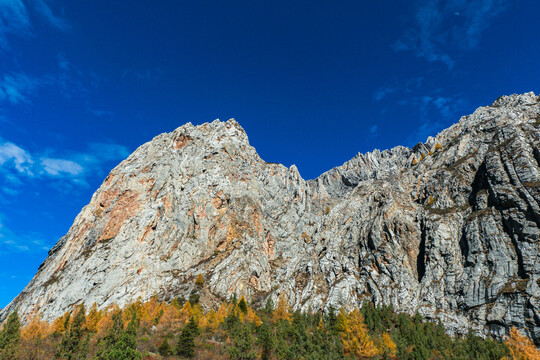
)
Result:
{"points": [[170, 320], [281, 312], [354, 335], [35, 329], [521, 347], [185, 313], [94, 315], [387, 346]]}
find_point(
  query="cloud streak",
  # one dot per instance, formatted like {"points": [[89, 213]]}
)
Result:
{"points": [[17, 163], [437, 112], [17, 88], [444, 27], [29, 242], [20, 159], [16, 18], [406, 87]]}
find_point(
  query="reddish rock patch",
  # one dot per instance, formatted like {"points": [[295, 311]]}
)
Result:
{"points": [[125, 207], [181, 141]]}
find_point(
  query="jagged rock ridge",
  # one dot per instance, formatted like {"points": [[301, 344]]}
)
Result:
{"points": [[449, 228]]}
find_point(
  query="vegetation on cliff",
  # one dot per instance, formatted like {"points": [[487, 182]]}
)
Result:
{"points": [[159, 330]]}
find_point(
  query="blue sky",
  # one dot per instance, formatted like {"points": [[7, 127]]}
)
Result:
{"points": [[83, 83]]}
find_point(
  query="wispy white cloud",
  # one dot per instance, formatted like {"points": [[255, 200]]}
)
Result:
{"points": [[373, 130], [151, 74], [383, 92], [17, 88], [16, 18], [47, 13], [58, 167], [13, 155], [436, 113], [10, 242], [445, 107], [101, 113], [441, 27], [403, 87], [17, 163]]}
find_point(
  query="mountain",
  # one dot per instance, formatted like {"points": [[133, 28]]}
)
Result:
{"points": [[449, 228]]}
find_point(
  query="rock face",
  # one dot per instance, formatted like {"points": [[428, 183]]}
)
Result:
{"points": [[449, 228]]}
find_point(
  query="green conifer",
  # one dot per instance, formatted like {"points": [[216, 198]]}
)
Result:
{"points": [[10, 337], [120, 344], [242, 347], [165, 349], [266, 340], [72, 346], [186, 341]]}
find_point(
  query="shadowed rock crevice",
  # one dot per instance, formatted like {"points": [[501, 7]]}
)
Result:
{"points": [[421, 258]]}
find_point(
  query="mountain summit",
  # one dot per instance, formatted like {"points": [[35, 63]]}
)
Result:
{"points": [[449, 228]]}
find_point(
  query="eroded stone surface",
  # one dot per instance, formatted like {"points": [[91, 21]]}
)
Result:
{"points": [[448, 228]]}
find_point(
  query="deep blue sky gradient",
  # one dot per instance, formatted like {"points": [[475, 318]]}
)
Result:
{"points": [[83, 83]]}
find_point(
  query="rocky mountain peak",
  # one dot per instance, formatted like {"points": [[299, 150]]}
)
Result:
{"points": [[449, 228]]}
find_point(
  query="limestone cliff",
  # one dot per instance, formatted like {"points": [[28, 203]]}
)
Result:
{"points": [[449, 228]]}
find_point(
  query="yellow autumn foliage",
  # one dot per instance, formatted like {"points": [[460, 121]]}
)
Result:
{"points": [[281, 312], [521, 347], [170, 319], [354, 335], [93, 317], [387, 346], [36, 328]]}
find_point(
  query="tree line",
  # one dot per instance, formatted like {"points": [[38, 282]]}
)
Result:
{"points": [[179, 329]]}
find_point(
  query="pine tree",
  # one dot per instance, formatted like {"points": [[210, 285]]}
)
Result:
{"points": [[266, 340], [112, 337], [165, 349], [186, 341], [242, 347], [120, 344], [242, 305], [10, 337], [330, 320], [72, 346], [269, 306], [126, 347]]}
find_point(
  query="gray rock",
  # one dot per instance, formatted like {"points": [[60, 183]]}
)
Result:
{"points": [[449, 228]]}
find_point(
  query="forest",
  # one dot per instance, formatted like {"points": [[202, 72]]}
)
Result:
{"points": [[155, 330]]}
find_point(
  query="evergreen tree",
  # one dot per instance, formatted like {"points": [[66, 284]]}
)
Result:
{"points": [[232, 320], [72, 346], [269, 307], [241, 348], [165, 349], [10, 337], [266, 340], [242, 305], [186, 341], [113, 336], [331, 320], [126, 347], [120, 344]]}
